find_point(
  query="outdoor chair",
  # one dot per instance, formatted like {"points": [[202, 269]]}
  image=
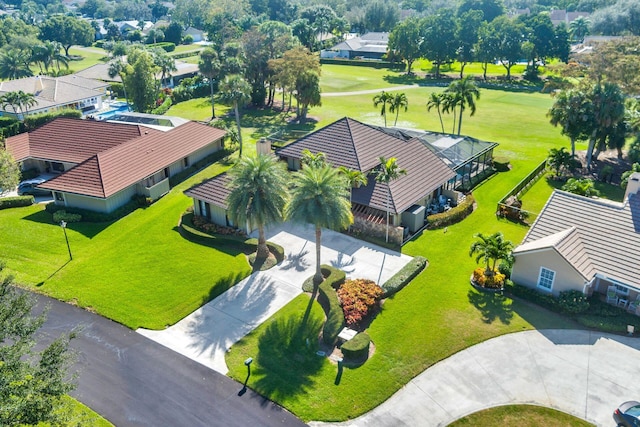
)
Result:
{"points": [[633, 305], [612, 295]]}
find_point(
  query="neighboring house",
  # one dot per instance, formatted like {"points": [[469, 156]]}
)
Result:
{"points": [[55, 93], [358, 146], [367, 46], [100, 166], [560, 16], [583, 244], [198, 35], [101, 72]]}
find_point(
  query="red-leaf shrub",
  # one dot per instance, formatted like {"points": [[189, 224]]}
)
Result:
{"points": [[357, 297]]}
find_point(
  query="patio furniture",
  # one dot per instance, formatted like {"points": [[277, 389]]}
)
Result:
{"points": [[633, 305], [622, 302], [612, 295]]}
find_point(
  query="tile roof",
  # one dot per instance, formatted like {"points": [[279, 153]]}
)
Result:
{"points": [[120, 166], [355, 145], [593, 235], [214, 190]]}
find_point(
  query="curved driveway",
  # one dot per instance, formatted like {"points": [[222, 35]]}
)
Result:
{"points": [[586, 374]]}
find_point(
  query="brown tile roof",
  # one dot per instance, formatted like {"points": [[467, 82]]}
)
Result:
{"points": [[120, 166], [358, 146], [605, 239], [214, 190]]}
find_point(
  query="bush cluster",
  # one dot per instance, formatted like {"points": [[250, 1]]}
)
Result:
{"points": [[495, 281], [357, 297], [166, 46], [201, 223], [15, 202], [328, 299], [357, 348], [404, 276], [275, 249], [65, 216], [93, 216], [164, 107], [10, 126], [453, 215]]}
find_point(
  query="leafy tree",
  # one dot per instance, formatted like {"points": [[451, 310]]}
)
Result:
{"points": [[381, 16], [235, 90], [439, 38], [139, 79], [618, 62], [490, 249], [435, 101], [579, 29], [277, 38], [561, 47], [258, 194], [404, 41], [487, 48], [310, 159], [304, 31], [14, 64], [9, 171], [32, 384], [257, 59], [559, 159], [490, 9], [158, 10], [164, 62], [307, 92], [320, 17], [154, 35], [67, 30], [173, 33], [319, 197], [398, 101], [233, 58], [572, 110], [624, 180], [210, 67], [581, 187], [294, 62], [510, 34], [191, 13], [119, 68], [388, 171], [464, 93], [608, 110], [383, 99], [467, 35]]}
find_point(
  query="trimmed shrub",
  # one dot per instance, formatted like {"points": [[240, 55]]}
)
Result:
{"points": [[501, 164], [357, 348], [404, 276], [93, 216], [328, 299], [364, 63], [357, 298], [65, 216], [573, 302], [453, 215], [187, 39], [495, 281], [34, 121], [15, 202], [201, 223], [166, 46], [164, 107], [117, 89], [276, 250]]}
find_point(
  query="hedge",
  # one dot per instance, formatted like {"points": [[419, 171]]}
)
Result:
{"points": [[29, 174], [404, 276], [453, 215], [364, 63], [357, 348], [164, 107], [211, 158], [328, 299], [93, 216], [167, 46], [276, 250], [15, 202], [65, 216]]}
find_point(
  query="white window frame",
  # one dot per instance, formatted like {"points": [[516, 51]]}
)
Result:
{"points": [[553, 279]]}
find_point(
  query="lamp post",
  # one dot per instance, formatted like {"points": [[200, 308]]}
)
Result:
{"points": [[63, 224]]}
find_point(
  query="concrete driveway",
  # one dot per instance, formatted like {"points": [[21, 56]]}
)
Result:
{"points": [[586, 374], [208, 333]]}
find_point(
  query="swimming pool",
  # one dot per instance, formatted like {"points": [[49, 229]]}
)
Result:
{"points": [[108, 115]]}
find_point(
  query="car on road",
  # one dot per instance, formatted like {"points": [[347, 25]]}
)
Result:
{"points": [[29, 187], [628, 414]]}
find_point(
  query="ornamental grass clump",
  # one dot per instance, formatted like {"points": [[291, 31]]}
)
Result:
{"points": [[357, 297]]}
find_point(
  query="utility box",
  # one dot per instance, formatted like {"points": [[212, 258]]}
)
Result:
{"points": [[413, 218]]}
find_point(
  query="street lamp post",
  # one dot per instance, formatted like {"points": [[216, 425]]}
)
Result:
{"points": [[63, 224]]}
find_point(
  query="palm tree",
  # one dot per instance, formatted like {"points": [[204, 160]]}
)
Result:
{"points": [[608, 109], [579, 28], [388, 171], [314, 160], [118, 68], [572, 110], [19, 101], [166, 63], [398, 101], [583, 187], [490, 249], [258, 194], [319, 197], [14, 64], [465, 94], [355, 178], [235, 90], [435, 101], [382, 99], [26, 100], [559, 158], [449, 103], [210, 67]]}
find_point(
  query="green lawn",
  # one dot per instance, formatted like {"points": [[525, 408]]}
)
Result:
{"points": [[92, 56], [80, 415], [138, 271], [521, 415], [182, 48]]}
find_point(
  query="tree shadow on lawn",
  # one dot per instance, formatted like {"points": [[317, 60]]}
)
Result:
{"points": [[222, 285], [287, 357], [226, 245], [87, 229], [492, 306]]}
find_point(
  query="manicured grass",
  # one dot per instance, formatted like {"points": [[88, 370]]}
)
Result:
{"points": [[90, 56], [345, 78], [521, 415], [182, 48], [138, 271], [196, 109], [474, 68], [80, 415]]}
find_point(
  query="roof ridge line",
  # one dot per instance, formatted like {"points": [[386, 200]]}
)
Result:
{"points": [[353, 143]]}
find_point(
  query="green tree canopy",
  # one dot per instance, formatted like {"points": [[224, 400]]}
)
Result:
{"points": [[210, 67], [235, 90], [404, 41], [572, 110], [9, 171], [140, 79], [388, 171], [67, 30], [439, 38]]}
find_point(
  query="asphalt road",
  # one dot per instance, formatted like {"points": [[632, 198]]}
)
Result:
{"points": [[133, 381]]}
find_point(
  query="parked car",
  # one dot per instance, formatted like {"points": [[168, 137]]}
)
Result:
{"points": [[628, 414], [29, 187]]}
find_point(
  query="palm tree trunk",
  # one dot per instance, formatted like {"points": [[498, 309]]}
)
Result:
{"points": [[235, 106], [592, 143], [386, 238], [384, 114], [573, 147], [213, 110], [462, 65], [453, 130], [263, 249], [485, 65], [440, 117], [460, 120], [397, 112], [317, 278]]}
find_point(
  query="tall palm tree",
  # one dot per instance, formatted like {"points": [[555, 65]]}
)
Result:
{"points": [[608, 110], [572, 110], [319, 197], [435, 101], [579, 28], [118, 68], [210, 67], [19, 101], [398, 101], [235, 90], [465, 93], [165, 63], [387, 172], [258, 194], [14, 64], [449, 103], [382, 99], [490, 249], [26, 100], [355, 178]]}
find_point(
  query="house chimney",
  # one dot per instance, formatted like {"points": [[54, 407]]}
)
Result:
{"points": [[633, 185]]}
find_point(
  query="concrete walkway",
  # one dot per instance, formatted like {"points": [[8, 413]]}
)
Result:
{"points": [[208, 333], [586, 374]]}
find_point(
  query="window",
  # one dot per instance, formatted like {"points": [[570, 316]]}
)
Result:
{"points": [[622, 290], [545, 279], [185, 161], [57, 166], [59, 197], [203, 209]]}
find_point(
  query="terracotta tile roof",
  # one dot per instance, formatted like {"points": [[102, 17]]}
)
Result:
{"points": [[120, 166], [358, 146], [18, 146], [606, 236], [214, 190]]}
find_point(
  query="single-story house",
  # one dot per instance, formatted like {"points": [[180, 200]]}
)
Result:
{"points": [[584, 244], [561, 16], [372, 45], [55, 93], [101, 165], [101, 72], [358, 146], [196, 34]]}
